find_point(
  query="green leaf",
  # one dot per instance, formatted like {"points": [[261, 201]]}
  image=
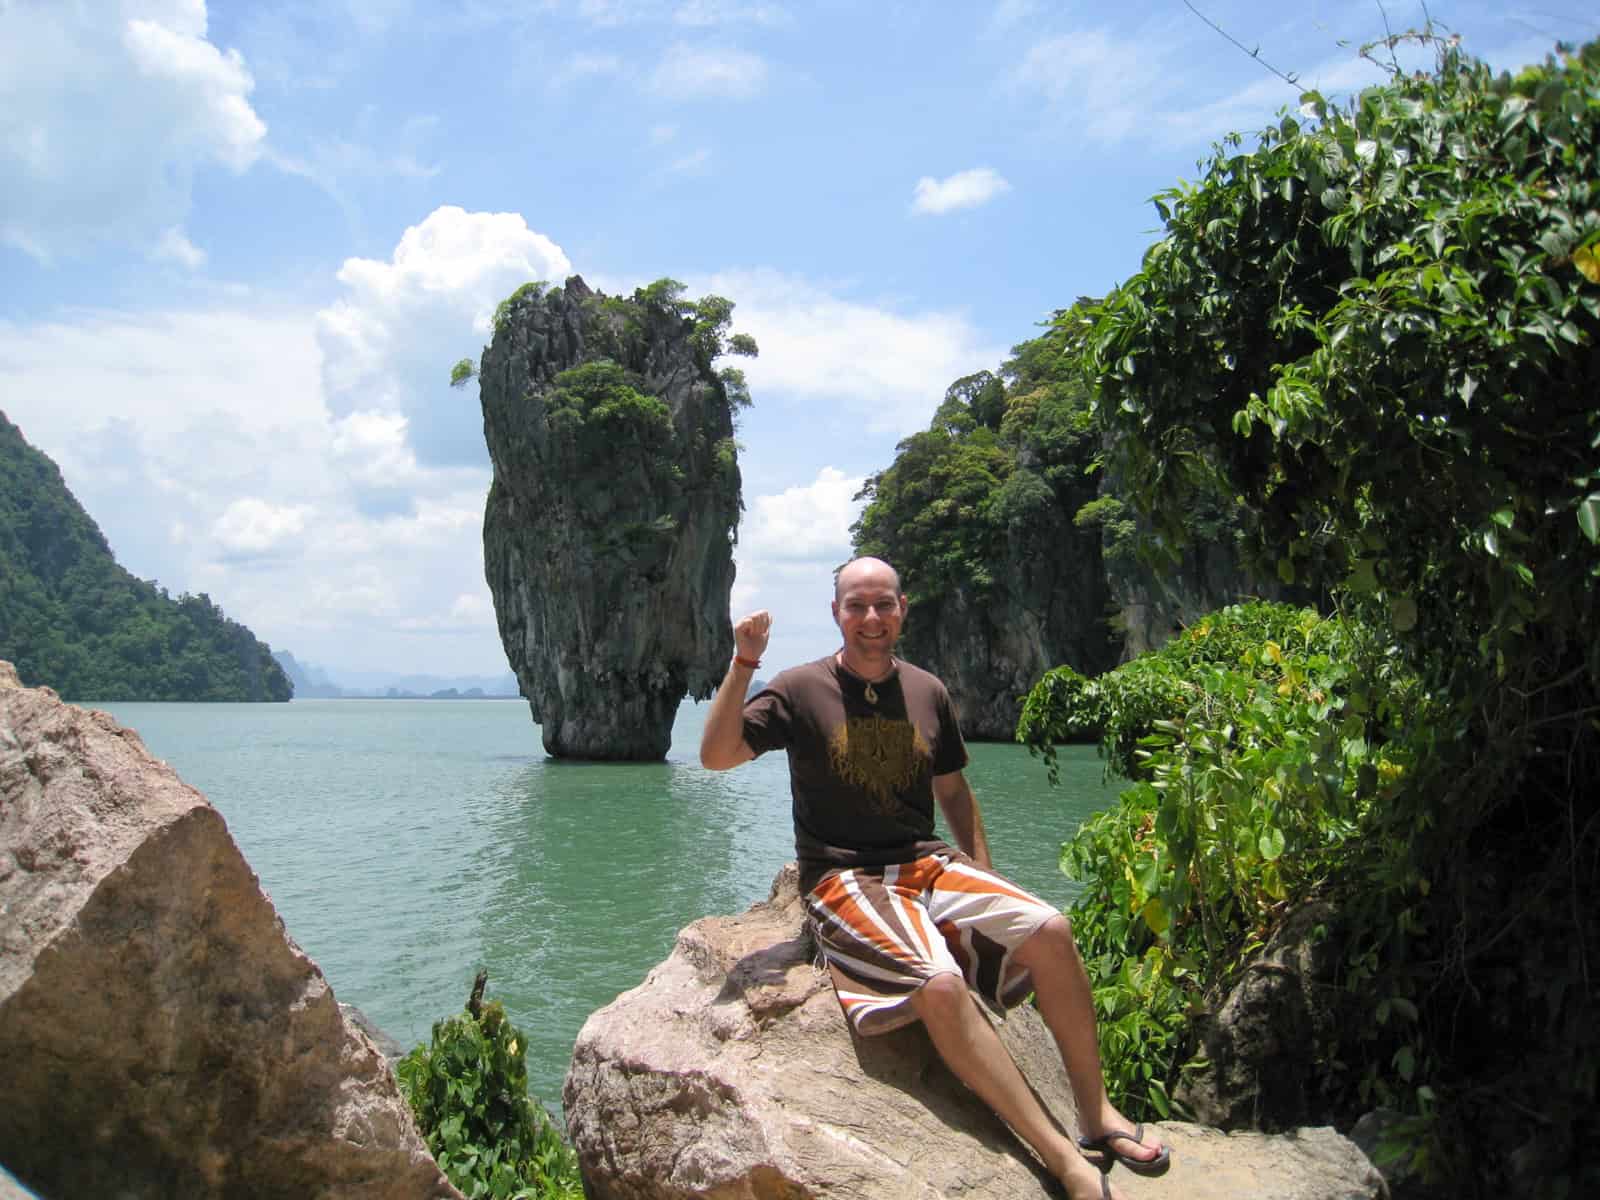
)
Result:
{"points": [[1589, 516], [1270, 843], [1403, 612], [1156, 916], [1405, 1062]]}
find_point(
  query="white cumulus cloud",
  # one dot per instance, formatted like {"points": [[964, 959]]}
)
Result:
{"points": [[694, 73], [389, 342], [174, 244], [107, 111], [251, 527], [861, 364], [789, 544], [803, 524], [964, 189]]}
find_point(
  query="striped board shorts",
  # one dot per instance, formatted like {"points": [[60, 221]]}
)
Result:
{"points": [[885, 931]]}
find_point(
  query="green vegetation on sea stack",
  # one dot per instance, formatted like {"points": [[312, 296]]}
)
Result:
{"points": [[1380, 329], [73, 620]]}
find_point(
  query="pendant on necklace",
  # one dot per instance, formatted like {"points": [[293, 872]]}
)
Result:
{"points": [[871, 694]]}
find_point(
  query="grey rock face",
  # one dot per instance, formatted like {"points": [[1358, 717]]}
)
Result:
{"points": [[1072, 607], [730, 1072], [608, 541], [1152, 606], [990, 649], [162, 1036], [1270, 1041]]}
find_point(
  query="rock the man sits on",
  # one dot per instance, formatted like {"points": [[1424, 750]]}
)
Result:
{"points": [[913, 928]]}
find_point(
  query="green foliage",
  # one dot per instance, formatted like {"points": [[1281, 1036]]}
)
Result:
{"points": [[1416, 252], [733, 383], [601, 395], [462, 372], [1256, 743], [469, 1091], [664, 293], [528, 292], [997, 473], [1119, 531], [73, 620], [1379, 329]]}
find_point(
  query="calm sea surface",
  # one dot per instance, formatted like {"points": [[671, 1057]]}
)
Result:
{"points": [[408, 843]]}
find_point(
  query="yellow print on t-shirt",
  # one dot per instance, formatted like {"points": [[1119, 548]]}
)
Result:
{"points": [[879, 755]]}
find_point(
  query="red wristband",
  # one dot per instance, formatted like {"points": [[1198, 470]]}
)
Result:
{"points": [[753, 664]]}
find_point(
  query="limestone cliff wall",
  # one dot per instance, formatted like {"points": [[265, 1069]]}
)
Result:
{"points": [[1066, 596], [991, 645], [608, 539]]}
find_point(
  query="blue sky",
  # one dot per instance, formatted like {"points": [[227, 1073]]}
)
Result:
{"points": [[242, 243]]}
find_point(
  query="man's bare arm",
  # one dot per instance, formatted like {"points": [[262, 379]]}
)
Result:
{"points": [[722, 743], [960, 809]]}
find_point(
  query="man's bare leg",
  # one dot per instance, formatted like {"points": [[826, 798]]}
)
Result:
{"points": [[974, 1053], [1061, 992]]}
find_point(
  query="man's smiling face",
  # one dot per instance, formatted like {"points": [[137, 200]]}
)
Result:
{"points": [[868, 609]]}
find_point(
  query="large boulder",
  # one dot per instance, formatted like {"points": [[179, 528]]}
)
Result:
{"points": [[162, 1036], [1269, 1045], [731, 1073], [609, 527]]}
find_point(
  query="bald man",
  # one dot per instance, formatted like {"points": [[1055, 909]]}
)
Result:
{"points": [[912, 927]]}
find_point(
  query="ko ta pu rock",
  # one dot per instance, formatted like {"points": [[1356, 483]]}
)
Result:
{"points": [[608, 533], [161, 1035], [730, 1072]]}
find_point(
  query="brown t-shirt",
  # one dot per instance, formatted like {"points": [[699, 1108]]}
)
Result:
{"points": [[861, 773]]}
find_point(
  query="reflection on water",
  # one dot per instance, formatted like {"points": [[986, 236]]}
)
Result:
{"points": [[408, 843]]}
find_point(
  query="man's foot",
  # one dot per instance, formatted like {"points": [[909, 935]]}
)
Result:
{"points": [[1084, 1181], [1136, 1148]]}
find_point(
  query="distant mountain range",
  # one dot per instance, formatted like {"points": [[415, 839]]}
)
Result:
{"points": [[311, 682]]}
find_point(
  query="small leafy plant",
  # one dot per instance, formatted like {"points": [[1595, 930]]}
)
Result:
{"points": [[469, 1091]]}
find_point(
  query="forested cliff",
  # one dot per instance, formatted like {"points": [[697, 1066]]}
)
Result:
{"points": [[1017, 551], [73, 620]]}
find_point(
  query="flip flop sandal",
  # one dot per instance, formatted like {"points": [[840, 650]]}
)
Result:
{"points": [[1106, 1144]]}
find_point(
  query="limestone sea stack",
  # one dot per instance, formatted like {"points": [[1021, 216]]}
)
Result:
{"points": [[609, 529]]}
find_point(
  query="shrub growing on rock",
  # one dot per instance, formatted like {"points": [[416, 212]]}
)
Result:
{"points": [[469, 1090]]}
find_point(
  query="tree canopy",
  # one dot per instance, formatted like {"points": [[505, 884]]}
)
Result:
{"points": [[1005, 457]]}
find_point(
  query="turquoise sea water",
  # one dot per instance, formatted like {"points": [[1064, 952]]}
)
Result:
{"points": [[408, 843]]}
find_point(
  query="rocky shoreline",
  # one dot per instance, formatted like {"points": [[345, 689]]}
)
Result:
{"points": [[166, 1037]]}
